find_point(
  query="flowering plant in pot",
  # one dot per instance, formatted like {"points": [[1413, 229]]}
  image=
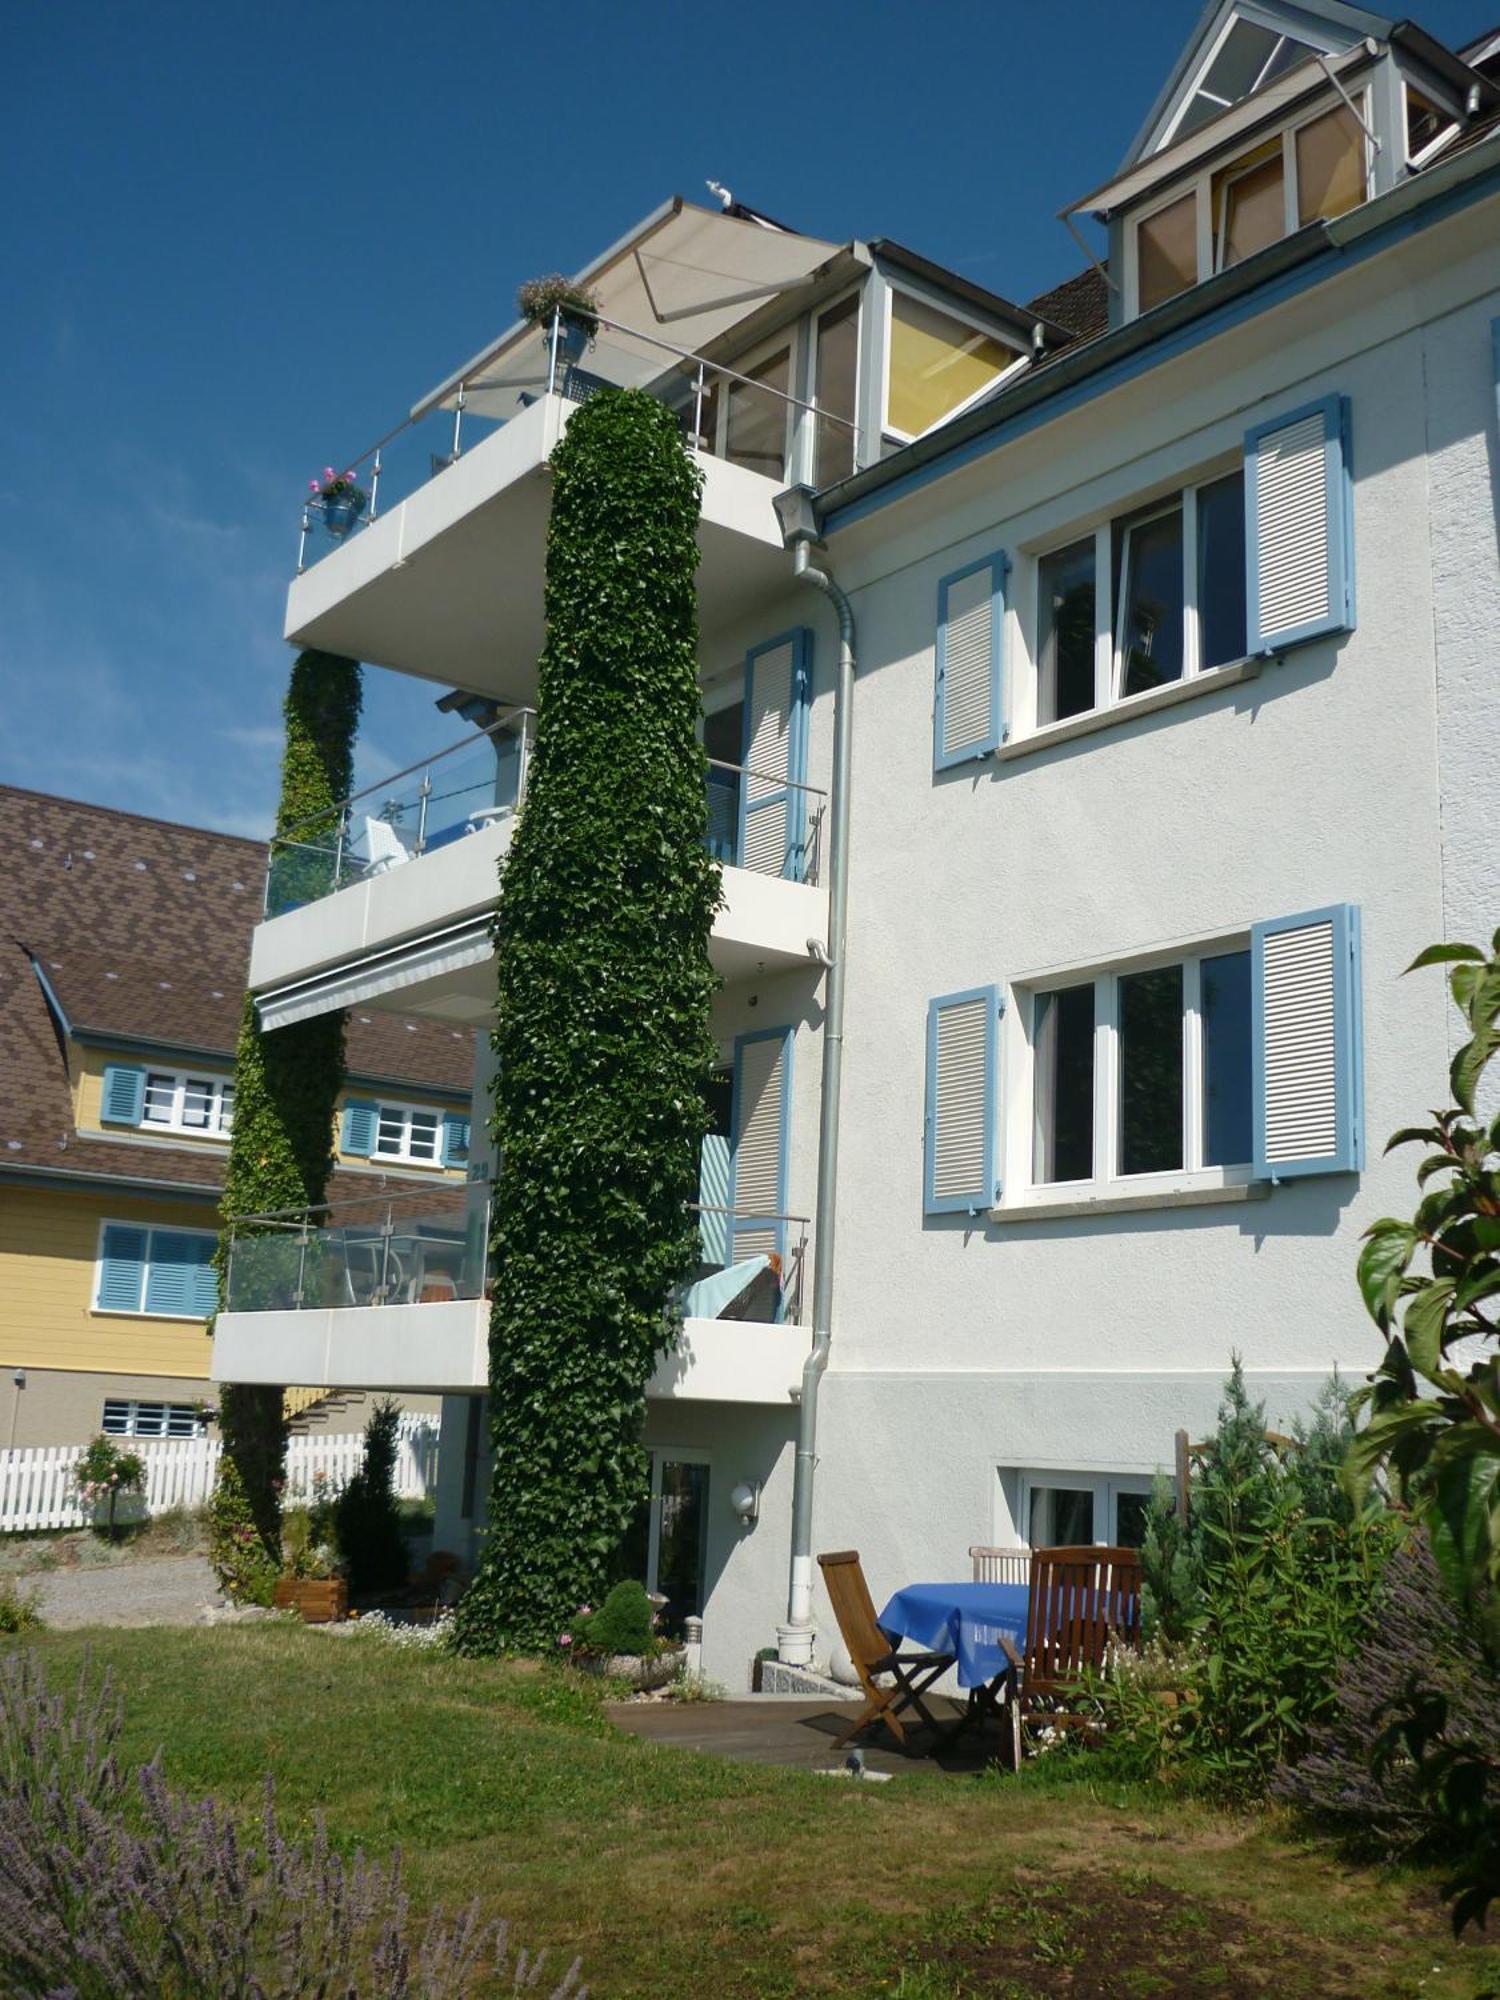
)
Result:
{"points": [[575, 308], [312, 1580], [340, 499], [621, 1639]]}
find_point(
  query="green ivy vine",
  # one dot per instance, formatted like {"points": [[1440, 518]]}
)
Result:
{"points": [[606, 903], [286, 1086]]}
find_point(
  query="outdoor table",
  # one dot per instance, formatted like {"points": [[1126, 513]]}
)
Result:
{"points": [[966, 1620]]}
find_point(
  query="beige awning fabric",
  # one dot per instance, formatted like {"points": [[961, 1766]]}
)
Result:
{"points": [[684, 276]]}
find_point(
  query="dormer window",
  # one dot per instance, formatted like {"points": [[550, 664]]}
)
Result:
{"points": [[936, 364], [1309, 172], [1247, 59]]}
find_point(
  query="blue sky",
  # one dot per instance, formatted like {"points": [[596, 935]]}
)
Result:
{"points": [[239, 241]]}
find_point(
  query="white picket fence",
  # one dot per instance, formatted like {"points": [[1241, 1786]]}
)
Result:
{"points": [[37, 1491]]}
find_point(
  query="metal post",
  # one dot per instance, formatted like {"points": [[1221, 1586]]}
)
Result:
{"points": [[375, 485], [552, 360], [523, 766], [300, 1293], [698, 410], [458, 420], [302, 542], [338, 845], [422, 797], [383, 1292]]}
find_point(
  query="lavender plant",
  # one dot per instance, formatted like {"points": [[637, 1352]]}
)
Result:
{"points": [[114, 1886]]}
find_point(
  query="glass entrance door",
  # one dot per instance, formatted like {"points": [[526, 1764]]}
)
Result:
{"points": [[679, 1538]]}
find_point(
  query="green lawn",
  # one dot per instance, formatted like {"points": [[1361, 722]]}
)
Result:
{"points": [[674, 1873]]}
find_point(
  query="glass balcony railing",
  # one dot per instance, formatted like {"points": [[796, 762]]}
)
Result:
{"points": [[417, 1246], [749, 420], [430, 1245], [427, 806], [754, 821]]}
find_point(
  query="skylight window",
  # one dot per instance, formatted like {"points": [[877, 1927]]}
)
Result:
{"points": [[1248, 58]]}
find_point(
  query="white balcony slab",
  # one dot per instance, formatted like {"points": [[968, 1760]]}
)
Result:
{"points": [[416, 940], [445, 1347], [447, 583]]}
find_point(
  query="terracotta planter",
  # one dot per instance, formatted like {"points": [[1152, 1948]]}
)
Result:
{"points": [[321, 1600]]}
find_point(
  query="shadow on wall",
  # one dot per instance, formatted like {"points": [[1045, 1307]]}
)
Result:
{"points": [[1311, 1207]]}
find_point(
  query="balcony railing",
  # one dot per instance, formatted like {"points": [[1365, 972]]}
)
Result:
{"points": [[430, 1245], [767, 824], [743, 419]]}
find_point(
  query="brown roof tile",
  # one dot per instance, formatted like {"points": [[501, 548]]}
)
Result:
{"points": [[1080, 305], [142, 930]]}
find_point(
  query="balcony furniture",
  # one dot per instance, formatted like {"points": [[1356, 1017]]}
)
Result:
{"points": [[1081, 1601], [718, 1293], [1000, 1565], [873, 1653], [486, 816], [383, 847], [972, 1622]]}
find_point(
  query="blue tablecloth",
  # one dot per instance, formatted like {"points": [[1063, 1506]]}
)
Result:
{"points": [[965, 1619]]}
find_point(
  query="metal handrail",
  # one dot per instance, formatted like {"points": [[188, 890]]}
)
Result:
{"points": [[327, 817], [716, 369]]}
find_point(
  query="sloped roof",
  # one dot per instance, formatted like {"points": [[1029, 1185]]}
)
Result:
{"points": [[1080, 306], [141, 930]]}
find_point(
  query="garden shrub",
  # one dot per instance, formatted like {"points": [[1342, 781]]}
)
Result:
{"points": [[103, 1471], [1264, 1592], [606, 905], [367, 1514], [115, 1886], [624, 1623], [18, 1608], [244, 1560], [286, 1086], [1415, 1623]]}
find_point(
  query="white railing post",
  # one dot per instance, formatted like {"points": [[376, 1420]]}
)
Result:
{"points": [[302, 542], [374, 486], [458, 422], [552, 354], [698, 444]]}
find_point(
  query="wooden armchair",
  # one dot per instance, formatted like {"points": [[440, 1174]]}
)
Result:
{"points": [[1082, 1601], [912, 1674]]}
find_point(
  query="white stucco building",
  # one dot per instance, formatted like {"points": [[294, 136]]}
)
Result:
{"points": [[1171, 739]]}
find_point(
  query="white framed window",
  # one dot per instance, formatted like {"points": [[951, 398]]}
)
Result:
{"points": [[937, 364], [1317, 167], [1079, 1509], [178, 1101], [1140, 601], [1137, 1076], [836, 355], [750, 420], [124, 1417], [410, 1133], [1430, 125], [1246, 57], [155, 1272]]}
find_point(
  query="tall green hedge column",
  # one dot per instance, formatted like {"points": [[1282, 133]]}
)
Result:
{"points": [[606, 904], [286, 1085]]}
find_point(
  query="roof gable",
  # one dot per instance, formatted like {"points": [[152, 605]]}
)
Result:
{"points": [[1237, 48]]}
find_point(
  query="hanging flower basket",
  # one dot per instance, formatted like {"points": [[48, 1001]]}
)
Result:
{"points": [[339, 498], [541, 300]]}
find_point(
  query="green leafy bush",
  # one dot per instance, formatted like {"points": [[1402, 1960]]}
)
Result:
{"points": [[103, 1472], [19, 1611], [607, 900], [245, 1563], [1262, 1595], [624, 1623], [367, 1514]]}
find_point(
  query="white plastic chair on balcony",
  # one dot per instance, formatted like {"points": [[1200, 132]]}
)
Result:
{"points": [[383, 846]]}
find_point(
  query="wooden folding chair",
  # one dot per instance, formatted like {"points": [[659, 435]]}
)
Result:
{"points": [[870, 1649], [1082, 1601]]}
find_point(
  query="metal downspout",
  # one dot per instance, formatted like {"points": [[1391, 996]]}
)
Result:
{"points": [[795, 1638]]}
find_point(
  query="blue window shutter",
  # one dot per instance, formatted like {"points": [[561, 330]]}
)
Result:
{"points": [[773, 829], [758, 1158], [124, 1094], [969, 693], [122, 1266], [455, 1139], [961, 1149], [1299, 527], [1306, 1059], [358, 1139], [713, 1199], [180, 1277]]}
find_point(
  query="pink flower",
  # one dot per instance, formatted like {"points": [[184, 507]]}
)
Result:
{"points": [[329, 473], [565, 1639], [312, 486], [585, 1611]]}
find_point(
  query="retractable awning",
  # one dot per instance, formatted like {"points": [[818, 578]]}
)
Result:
{"points": [[685, 275]]}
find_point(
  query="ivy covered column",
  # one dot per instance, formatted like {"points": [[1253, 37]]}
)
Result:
{"points": [[607, 901], [286, 1087]]}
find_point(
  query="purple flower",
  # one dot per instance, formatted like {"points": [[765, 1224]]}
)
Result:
{"points": [[565, 1639]]}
